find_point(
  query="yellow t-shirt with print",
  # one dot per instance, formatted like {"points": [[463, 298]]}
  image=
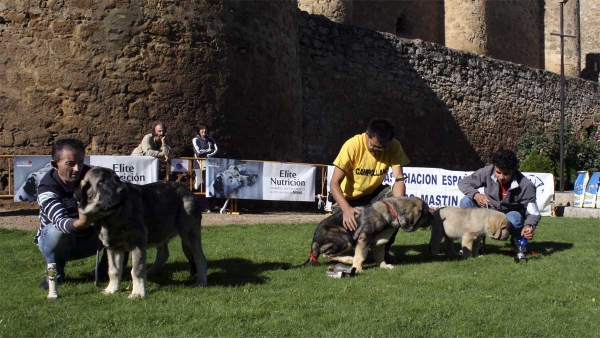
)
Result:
{"points": [[365, 171]]}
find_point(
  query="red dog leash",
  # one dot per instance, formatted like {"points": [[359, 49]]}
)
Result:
{"points": [[313, 258], [391, 210]]}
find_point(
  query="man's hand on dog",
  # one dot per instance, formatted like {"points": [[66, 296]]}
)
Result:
{"points": [[349, 218], [85, 221]]}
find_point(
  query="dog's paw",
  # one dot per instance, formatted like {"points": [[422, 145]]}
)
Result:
{"points": [[358, 269], [385, 265], [109, 291], [136, 295]]}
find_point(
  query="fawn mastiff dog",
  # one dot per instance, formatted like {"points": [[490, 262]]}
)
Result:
{"points": [[377, 223], [137, 217], [470, 225]]}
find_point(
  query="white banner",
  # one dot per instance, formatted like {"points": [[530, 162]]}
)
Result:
{"points": [[134, 169], [179, 166], [28, 172], [289, 182], [439, 187], [259, 180]]}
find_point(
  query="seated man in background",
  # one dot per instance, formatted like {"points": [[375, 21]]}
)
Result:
{"points": [[507, 190], [155, 144]]}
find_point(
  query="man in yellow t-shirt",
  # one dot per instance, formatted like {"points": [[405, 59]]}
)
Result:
{"points": [[361, 167]]}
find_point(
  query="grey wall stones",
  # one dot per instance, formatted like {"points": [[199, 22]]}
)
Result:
{"points": [[452, 109]]}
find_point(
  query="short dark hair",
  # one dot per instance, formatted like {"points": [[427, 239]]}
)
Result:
{"points": [[203, 126], [382, 129], [71, 143], [505, 159]]}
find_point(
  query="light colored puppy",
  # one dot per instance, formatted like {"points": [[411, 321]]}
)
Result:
{"points": [[470, 225]]}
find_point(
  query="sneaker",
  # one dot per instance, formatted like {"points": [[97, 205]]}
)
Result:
{"points": [[44, 283]]}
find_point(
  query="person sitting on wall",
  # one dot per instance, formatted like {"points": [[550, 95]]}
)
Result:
{"points": [[507, 190], [155, 144], [204, 146], [360, 168]]}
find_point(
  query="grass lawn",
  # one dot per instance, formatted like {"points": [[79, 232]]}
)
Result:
{"points": [[555, 294]]}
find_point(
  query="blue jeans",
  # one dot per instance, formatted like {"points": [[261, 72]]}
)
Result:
{"points": [[514, 217], [60, 248]]}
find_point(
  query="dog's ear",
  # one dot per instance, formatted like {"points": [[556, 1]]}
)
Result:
{"points": [[217, 185], [80, 193], [414, 214]]}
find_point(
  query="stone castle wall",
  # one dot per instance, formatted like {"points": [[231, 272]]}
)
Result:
{"points": [[271, 87], [452, 109], [511, 30], [103, 71]]}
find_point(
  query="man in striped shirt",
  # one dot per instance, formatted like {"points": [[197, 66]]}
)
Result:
{"points": [[64, 234]]}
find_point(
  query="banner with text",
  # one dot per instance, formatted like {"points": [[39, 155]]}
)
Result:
{"points": [[28, 172], [133, 169], [439, 187], [260, 180]]}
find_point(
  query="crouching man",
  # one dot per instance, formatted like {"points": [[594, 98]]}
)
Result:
{"points": [[507, 190]]}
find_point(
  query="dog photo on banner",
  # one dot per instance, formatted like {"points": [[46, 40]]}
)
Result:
{"points": [[233, 179]]}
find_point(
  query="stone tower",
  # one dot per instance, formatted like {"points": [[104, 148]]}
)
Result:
{"points": [[465, 25], [590, 39], [511, 30], [80, 68], [552, 42]]}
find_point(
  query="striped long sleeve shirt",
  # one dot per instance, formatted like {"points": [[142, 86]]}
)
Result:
{"points": [[58, 207]]}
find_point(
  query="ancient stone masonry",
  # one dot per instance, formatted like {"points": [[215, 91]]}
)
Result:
{"points": [[513, 30], [590, 39], [452, 109], [274, 83], [103, 71]]}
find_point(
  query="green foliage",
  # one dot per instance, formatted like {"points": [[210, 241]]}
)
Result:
{"points": [[555, 294], [538, 163], [580, 150]]}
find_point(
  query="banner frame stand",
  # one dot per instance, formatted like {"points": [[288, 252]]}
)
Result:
{"points": [[232, 210]]}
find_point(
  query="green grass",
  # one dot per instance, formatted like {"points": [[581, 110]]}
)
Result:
{"points": [[555, 294]]}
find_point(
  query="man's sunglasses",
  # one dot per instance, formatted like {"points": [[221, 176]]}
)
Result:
{"points": [[376, 148]]}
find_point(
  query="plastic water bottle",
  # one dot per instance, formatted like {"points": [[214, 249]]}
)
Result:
{"points": [[521, 249]]}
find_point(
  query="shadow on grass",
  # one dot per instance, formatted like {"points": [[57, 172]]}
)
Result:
{"points": [[229, 272], [539, 249]]}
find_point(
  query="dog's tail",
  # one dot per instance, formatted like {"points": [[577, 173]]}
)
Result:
{"points": [[313, 258]]}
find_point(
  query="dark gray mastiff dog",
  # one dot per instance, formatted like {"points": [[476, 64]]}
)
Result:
{"points": [[137, 217], [377, 223]]}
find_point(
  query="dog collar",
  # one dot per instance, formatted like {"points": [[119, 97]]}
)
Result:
{"points": [[392, 210]]}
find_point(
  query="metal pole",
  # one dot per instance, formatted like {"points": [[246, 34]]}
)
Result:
{"points": [[562, 93], [562, 98]]}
